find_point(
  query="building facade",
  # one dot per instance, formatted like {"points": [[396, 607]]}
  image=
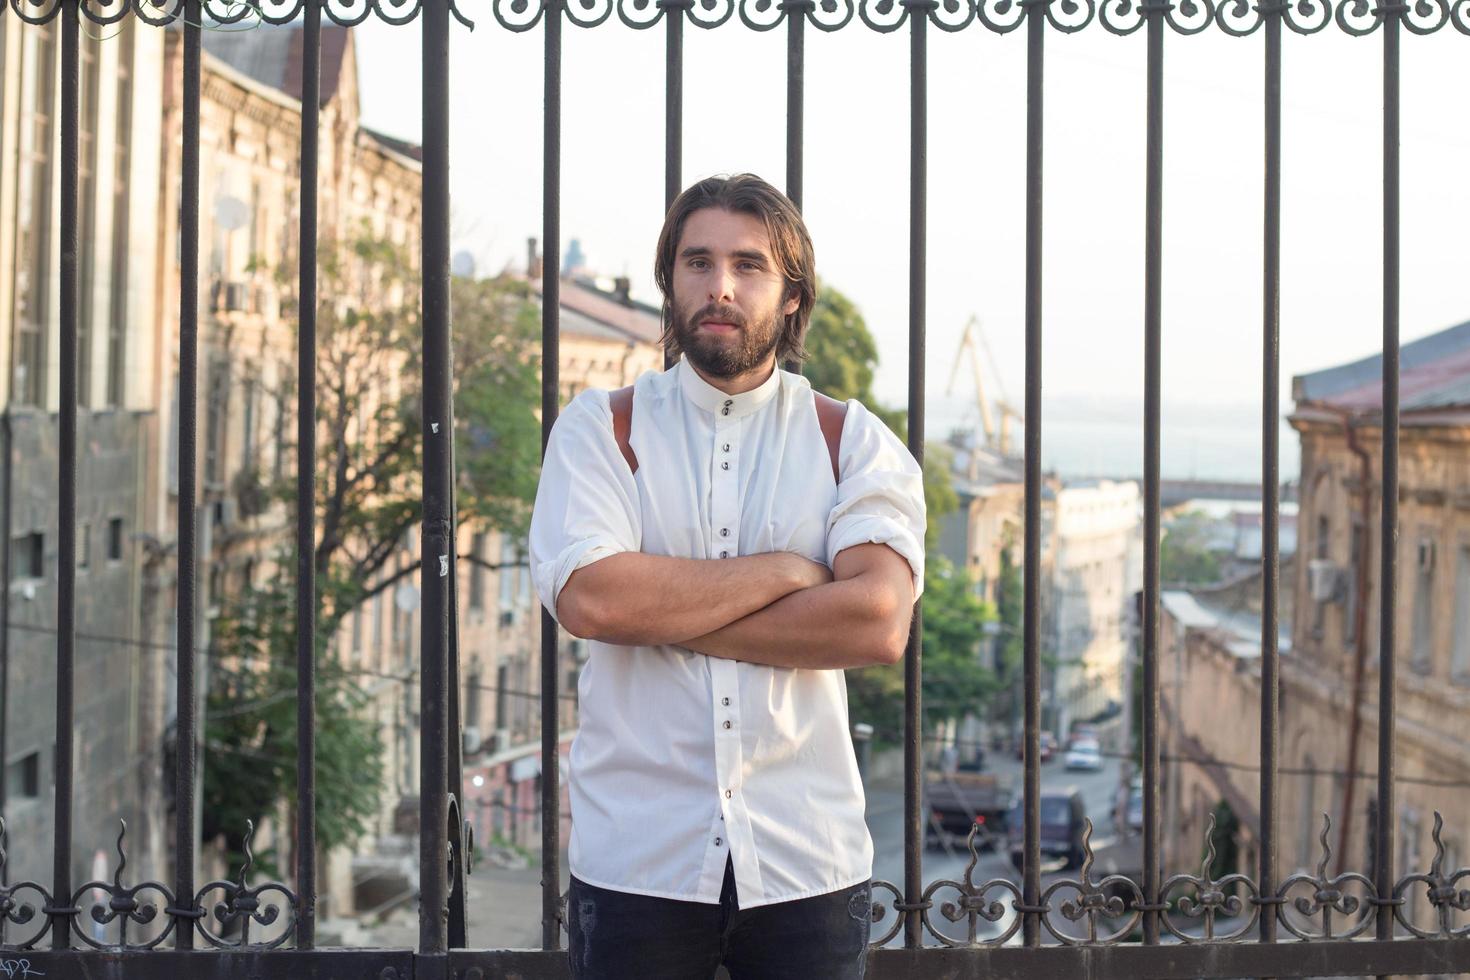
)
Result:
{"points": [[1329, 660]]}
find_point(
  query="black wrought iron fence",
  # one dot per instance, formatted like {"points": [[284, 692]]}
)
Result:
{"points": [[1189, 925]]}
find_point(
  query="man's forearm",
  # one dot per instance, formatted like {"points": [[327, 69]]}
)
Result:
{"points": [[642, 600], [852, 623]]}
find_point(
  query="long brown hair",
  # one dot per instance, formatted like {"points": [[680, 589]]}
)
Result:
{"points": [[791, 248]]}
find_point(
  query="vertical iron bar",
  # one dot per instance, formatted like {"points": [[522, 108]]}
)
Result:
{"points": [[550, 406], [458, 920], [186, 735], [438, 527], [1152, 314], [306, 487], [66, 570], [673, 108], [306, 492], [1031, 571], [796, 12], [913, 717], [1270, 468], [1388, 569]]}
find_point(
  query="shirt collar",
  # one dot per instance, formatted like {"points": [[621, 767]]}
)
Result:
{"points": [[716, 402]]}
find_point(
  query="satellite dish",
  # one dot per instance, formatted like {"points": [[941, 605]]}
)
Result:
{"points": [[231, 212], [462, 265], [406, 597]]}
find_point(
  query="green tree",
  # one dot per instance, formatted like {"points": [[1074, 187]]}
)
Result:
{"points": [[1185, 556], [844, 358], [368, 499], [955, 680]]}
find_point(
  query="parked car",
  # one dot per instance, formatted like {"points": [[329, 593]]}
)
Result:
{"points": [[1048, 747], [1062, 813], [1085, 755], [1083, 732], [1133, 816], [960, 800]]}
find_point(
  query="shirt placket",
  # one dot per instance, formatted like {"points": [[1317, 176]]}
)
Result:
{"points": [[724, 542]]}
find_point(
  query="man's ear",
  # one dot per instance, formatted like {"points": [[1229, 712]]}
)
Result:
{"points": [[792, 302]]}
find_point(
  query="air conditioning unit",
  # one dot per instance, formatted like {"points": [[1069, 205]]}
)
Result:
{"points": [[471, 737], [1426, 555], [507, 618], [1325, 580], [499, 741]]}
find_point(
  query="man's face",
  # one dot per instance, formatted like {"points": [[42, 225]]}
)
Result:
{"points": [[727, 304]]}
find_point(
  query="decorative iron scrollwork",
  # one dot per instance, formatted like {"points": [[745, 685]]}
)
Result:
{"points": [[974, 902], [1210, 898], [1327, 899], [1443, 893], [14, 911], [1095, 900], [242, 905], [123, 906]]}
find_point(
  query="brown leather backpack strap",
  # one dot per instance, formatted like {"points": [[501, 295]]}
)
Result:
{"points": [[831, 414], [621, 402]]}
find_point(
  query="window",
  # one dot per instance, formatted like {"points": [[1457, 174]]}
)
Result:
{"points": [[502, 696], [28, 556], [247, 442], [1357, 555], [23, 778], [33, 216], [1423, 637], [507, 574], [87, 213], [84, 545], [477, 571], [115, 539], [1460, 657], [117, 317], [217, 394]]}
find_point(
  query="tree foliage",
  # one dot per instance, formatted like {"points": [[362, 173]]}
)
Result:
{"points": [[1185, 556], [843, 364], [368, 465]]}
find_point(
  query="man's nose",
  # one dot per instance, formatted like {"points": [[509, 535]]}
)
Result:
{"points": [[722, 286]]}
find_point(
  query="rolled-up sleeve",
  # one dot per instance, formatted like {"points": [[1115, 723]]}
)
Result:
{"points": [[586, 503], [880, 496]]}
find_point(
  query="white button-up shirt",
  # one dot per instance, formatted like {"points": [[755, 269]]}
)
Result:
{"points": [[683, 761]]}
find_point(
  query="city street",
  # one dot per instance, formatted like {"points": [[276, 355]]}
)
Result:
{"points": [[885, 823]]}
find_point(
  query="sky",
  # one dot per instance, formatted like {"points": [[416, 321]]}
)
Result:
{"points": [[857, 199]]}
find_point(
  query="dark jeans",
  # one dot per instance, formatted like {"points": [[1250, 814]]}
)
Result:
{"points": [[617, 936]]}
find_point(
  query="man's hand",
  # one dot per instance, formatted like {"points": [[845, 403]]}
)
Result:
{"points": [[635, 599], [859, 619]]}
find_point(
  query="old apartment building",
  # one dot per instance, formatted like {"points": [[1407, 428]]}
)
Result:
{"points": [[128, 474], [1329, 661]]}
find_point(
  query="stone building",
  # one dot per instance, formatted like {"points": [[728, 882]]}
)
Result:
{"points": [[117, 766], [1329, 667]]}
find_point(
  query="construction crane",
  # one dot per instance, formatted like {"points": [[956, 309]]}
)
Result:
{"points": [[973, 342]]}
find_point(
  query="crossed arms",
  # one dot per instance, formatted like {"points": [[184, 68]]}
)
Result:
{"points": [[778, 609]]}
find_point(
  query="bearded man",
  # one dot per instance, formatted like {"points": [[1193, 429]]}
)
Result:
{"points": [[728, 541]]}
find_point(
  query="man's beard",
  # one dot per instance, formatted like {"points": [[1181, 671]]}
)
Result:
{"points": [[727, 357]]}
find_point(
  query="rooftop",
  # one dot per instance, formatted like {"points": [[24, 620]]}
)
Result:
{"points": [[1434, 375]]}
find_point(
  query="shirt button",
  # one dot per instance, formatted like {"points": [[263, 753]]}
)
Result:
{"points": [[724, 554], [719, 841], [724, 532], [727, 447], [724, 466], [724, 701], [727, 724], [727, 794]]}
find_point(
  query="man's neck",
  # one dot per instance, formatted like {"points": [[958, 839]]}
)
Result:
{"points": [[740, 383]]}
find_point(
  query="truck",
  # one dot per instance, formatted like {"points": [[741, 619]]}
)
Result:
{"points": [[958, 800]]}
